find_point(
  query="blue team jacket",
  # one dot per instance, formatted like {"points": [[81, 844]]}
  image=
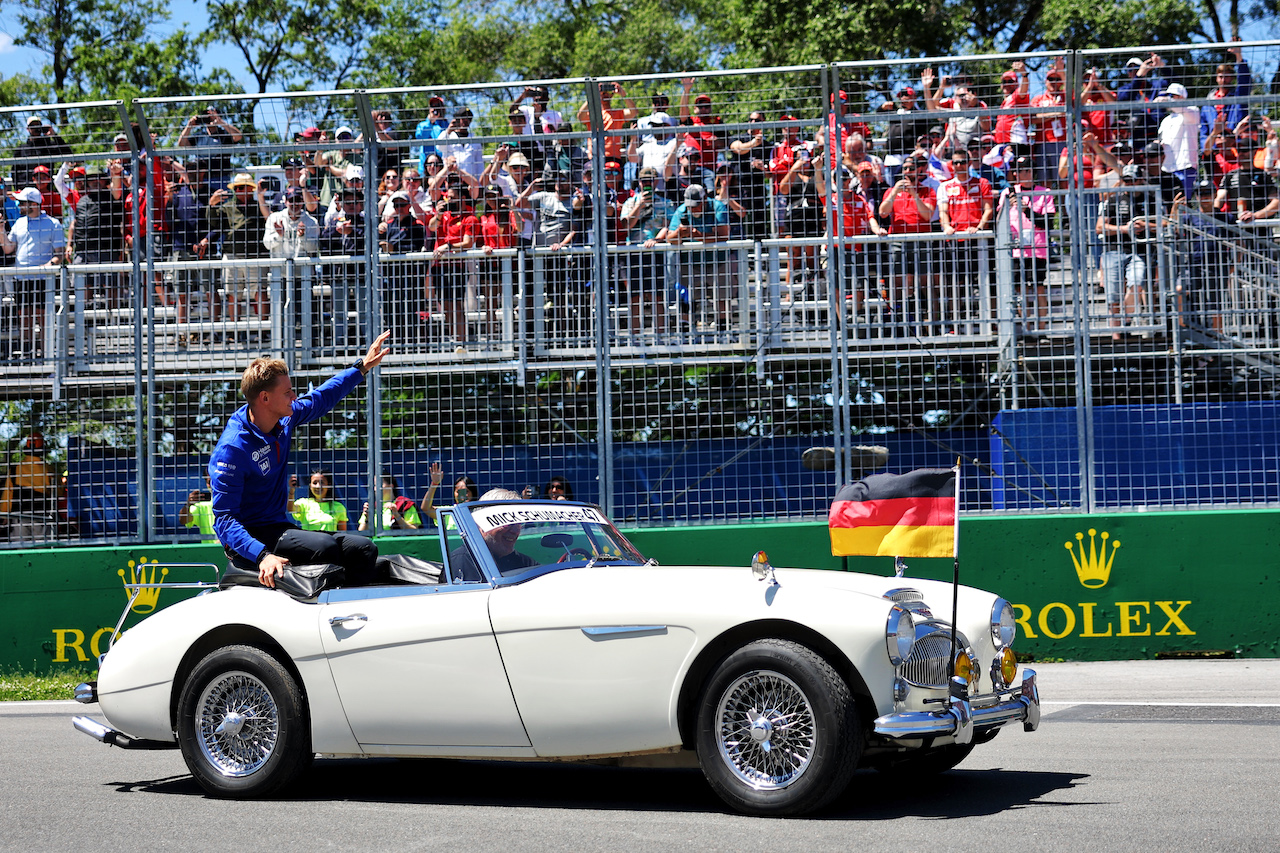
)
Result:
{"points": [[248, 470]]}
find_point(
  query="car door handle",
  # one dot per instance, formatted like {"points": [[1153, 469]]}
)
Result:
{"points": [[342, 620]]}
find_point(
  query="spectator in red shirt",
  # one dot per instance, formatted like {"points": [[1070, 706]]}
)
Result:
{"points": [[909, 206], [858, 217], [1012, 128], [456, 229], [1050, 126], [614, 118], [709, 142]]}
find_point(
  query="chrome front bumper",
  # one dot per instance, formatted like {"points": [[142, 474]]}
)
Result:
{"points": [[961, 715]]}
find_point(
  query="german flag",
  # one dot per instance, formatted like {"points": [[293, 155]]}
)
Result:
{"points": [[896, 515]]}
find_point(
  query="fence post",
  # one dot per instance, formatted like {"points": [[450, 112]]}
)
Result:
{"points": [[600, 296]]}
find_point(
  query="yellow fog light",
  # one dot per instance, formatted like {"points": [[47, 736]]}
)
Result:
{"points": [[964, 667], [1008, 665]]}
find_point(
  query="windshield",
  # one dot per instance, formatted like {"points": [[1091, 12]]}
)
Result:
{"points": [[531, 534]]}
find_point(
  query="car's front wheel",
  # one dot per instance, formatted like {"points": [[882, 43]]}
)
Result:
{"points": [[242, 723], [777, 730]]}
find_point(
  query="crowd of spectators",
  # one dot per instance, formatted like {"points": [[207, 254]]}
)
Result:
{"points": [[674, 176]]}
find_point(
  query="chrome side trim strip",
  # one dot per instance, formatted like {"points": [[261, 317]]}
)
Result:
{"points": [[605, 631]]}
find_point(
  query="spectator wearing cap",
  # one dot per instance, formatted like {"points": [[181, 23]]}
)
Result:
{"points": [[529, 147], [1122, 154], [1126, 224], [749, 169], [656, 151], [1011, 128], [334, 167], [237, 217], [1179, 135], [645, 217], [295, 175], [781, 159], [469, 155], [36, 240], [69, 181], [1204, 267], [1230, 81], [709, 141], [430, 128], [352, 179], [613, 118], [1050, 125], [659, 117], [1143, 82], [42, 141], [292, 232], [905, 128], [97, 234], [509, 172], [209, 129], [703, 273], [42, 179], [1028, 209]]}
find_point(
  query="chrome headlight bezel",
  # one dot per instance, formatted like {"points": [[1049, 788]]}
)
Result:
{"points": [[1004, 627], [899, 634]]}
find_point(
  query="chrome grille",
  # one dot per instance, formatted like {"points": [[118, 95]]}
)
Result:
{"points": [[929, 661]]}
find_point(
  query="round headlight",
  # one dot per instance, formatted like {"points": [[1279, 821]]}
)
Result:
{"points": [[900, 635], [1003, 627]]}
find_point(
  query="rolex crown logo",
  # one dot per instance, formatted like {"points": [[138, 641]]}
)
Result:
{"points": [[1093, 568], [147, 598]]}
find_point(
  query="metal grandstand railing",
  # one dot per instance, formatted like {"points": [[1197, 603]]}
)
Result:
{"points": [[672, 375]]}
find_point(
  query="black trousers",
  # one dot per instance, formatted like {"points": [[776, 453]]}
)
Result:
{"points": [[357, 554]]}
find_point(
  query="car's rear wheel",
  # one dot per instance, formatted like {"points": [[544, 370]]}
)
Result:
{"points": [[927, 762], [777, 729], [242, 724]]}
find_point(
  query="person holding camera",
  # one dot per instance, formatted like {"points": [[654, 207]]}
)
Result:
{"points": [[42, 141], [614, 118], [239, 215], [398, 511], [431, 128], [210, 129], [468, 155], [909, 206], [456, 229]]}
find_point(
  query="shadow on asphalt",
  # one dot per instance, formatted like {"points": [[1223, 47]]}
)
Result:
{"points": [[955, 794]]}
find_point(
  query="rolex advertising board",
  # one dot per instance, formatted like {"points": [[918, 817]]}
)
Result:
{"points": [[1097, 587]]}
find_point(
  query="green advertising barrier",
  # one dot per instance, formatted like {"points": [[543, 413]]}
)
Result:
{"points": [[1102, 587]]}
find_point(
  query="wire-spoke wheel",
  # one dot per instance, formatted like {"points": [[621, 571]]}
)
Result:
{"points": [[766, 730], [242, 723], [777, 729]]}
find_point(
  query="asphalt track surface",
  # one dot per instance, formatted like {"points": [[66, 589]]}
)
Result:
{"points": [[1130, 756]]}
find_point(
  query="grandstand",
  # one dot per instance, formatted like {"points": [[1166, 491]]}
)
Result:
{"points": [[688, 283]]}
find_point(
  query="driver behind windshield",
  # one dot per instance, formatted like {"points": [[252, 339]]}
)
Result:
{"points": [[501, 542]]}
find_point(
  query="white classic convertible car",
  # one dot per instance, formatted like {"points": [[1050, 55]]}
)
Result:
{"points": [[546, 636]]}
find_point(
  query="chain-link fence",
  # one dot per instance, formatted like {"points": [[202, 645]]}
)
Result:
{"points": [[696, 299]]}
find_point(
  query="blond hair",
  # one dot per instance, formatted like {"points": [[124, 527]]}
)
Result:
{"points": [[260, 375]]}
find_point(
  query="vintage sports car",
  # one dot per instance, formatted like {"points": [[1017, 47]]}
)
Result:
{"points": [[546, 636]]}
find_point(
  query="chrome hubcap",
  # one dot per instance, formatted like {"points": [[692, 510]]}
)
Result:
{"points": [[765, 730], [237, 724]]}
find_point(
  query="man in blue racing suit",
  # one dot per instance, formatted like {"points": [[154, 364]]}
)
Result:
{"points": [[248, 474]]}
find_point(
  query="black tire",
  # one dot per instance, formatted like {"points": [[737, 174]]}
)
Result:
{"points": [[778, 731], [929, 762], [242, 724]]}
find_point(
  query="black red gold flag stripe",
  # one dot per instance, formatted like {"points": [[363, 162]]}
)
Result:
{"points": [[896, 515]]}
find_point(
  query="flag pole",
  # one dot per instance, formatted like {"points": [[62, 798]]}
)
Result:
{"points": [[955, 575]]}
